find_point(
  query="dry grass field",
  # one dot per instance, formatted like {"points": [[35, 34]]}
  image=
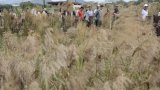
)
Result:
{"points": [[125, 58]]}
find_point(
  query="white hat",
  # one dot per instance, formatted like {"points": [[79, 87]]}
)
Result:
{"points": [[158, 13], [145, 5]]}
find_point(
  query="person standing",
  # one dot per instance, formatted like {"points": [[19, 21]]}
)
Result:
{"points": [[144, 12], [90, 16], [1, 18], [115, 15], [96, 8], [78, 16], [81, 14], [99, 15]]}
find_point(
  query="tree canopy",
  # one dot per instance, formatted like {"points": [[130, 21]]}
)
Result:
{"points": [[6, 6], [25, 5]]}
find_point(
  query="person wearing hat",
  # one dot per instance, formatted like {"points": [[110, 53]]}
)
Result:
{"points": [[144, 12]]}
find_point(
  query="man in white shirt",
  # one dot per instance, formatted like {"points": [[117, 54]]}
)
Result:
{"points": [[90, 11], [90, 15], [145, 12]]}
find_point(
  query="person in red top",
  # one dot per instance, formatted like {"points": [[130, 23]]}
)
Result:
{"points": [[81, 14]]}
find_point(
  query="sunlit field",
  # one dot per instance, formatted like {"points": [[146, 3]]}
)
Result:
{"points": [[38, 55]]}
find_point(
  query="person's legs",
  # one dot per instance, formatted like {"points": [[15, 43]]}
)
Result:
{"points": [[91, 20], [96, 22], [158, 31], [113, 19], [76, 21], [1, 21], [88, 23], [100, 23]]}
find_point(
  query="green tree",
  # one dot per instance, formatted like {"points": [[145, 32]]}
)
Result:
{"points": [[6, 6], [44, 3], [140, 1], [26, 5], [157, 0]]}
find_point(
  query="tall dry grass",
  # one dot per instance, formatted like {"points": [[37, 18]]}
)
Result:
{"points": [[125, 58]]}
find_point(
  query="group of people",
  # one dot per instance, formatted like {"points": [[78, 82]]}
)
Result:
{"points": [[156, 18], [91, 16], [37, 13]]}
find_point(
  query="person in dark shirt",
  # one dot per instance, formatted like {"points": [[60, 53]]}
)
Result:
{"points": [[99, 15], [115, 15], [116, 12]]}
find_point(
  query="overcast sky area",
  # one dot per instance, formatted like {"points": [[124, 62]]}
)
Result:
{"points": [[18, 1]]}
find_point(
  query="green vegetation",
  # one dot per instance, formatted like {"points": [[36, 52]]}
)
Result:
{"points": [[27, 5]]}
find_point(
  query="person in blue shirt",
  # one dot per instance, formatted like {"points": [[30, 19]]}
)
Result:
{"points": [[99, 15]]}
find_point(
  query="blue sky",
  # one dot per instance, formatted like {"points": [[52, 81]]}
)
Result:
{"points": [[18, 1]]}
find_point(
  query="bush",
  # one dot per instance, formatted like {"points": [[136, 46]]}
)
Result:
{"points": [[6, 6], [26, 5]]}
